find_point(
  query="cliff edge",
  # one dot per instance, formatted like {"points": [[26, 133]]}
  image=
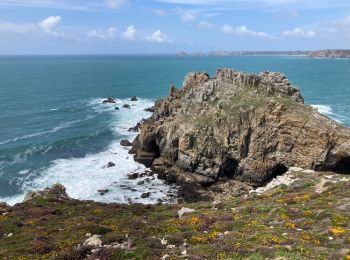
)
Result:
{"points": [[243, 127]]}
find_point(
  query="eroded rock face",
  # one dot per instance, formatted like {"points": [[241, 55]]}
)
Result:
{"points": [[58, 191], [236, 126]]}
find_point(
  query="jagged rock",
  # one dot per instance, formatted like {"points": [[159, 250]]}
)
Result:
{"points": [[110, 165], [145, 195], [235, 126], [126, 106], [133, 176], [145, 158], [150, 109], [4, 207], [217, 204], [125, 143], [109, 100], [134, 98], [57, 191], [93, 241]]}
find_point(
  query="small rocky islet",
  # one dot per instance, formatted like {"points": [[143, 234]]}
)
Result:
{"points": [[261, 175]]}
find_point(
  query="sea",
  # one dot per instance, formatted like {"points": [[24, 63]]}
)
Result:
{"points": [[55, 129]]}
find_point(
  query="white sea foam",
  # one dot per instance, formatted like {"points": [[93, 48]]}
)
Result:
{"points": [[327, 111], [83, 177]]}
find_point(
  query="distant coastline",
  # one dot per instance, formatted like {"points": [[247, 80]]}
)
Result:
{"points": [[334, 54]]}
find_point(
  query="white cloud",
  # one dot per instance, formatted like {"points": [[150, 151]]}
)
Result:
{"points": [[227, 29], [337, 26], [205, 25], [18, 29], [96, 34], [159, 12], [298, 32], [114, 4], [50, 23], [244, 31], [158, 36], [186, 15], [130, 33], [110, 33]]}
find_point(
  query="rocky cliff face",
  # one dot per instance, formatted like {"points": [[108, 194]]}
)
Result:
{"points": [[243, 127]]}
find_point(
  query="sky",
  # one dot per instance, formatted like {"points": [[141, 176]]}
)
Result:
{"points": [[171, 26]]}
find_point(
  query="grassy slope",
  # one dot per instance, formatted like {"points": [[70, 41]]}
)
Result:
{"points": [[291, 222]]}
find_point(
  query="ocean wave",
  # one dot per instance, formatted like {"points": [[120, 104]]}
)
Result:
{"points": [[83, 177], [328, 111], [53, 130]]}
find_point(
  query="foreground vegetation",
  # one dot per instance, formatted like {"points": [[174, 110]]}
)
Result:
{"points": [[310, 219]]}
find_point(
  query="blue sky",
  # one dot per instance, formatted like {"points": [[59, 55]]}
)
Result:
{"points": [[170, 26]]}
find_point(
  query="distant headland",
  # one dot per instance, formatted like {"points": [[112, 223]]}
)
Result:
{"points": [[331, 53]]}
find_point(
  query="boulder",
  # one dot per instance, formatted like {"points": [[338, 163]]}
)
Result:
{"points": [[145, 195], [126, 106], [110, 165], [93, 241], [125, 143], [134, 128], [133, 176], [109, 100], [134, 98], [116, 108], [236, 126]]}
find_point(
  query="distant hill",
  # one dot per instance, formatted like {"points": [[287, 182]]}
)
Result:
{"points": [[330, 54]]}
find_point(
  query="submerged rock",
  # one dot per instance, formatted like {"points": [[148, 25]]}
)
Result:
{"points": [[110, 165], [103, 192], [126, 106], [133, 176], [125, 142], [109, 100], [235, 126], [145, 195]]}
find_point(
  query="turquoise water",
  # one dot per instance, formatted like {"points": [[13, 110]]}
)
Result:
{"points": [[53, 127]]}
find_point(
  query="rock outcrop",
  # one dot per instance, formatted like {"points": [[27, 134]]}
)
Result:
{"points": [[58, 191], [243, 127]]}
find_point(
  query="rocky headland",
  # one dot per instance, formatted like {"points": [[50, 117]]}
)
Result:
{"points": [[238, 130], [268, 173], [333, 54]]}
